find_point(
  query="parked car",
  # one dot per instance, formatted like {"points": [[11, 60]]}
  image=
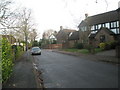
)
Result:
{"points": [[35, 50]]}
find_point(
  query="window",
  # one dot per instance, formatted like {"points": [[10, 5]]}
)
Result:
{"points": [[103, 25], [93, 32], [114, 30], [84, 28], [107, 25], [114, 24], [111, 24], [99, 26], [96, 27], [117, 23], [92, 28], [102, 38], [118, 32]]}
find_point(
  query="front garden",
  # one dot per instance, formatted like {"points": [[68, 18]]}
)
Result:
{"points": [[89, 49]]}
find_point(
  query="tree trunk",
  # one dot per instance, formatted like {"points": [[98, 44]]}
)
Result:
{"points": [[26, 43], [118, 51]]}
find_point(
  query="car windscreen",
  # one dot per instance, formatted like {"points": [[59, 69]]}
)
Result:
{"points": [[35, 49]]}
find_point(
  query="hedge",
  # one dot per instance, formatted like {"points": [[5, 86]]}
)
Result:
{"points": [[7, 60]]}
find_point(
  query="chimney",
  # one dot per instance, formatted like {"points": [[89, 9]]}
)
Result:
{"points": [[61, 28], [86, 15]]}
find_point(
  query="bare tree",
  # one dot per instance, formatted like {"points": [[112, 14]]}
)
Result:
{"points": [[24, 24], [48, 33], [16, 22], [7, 16], [33, 35], [4, 11]]}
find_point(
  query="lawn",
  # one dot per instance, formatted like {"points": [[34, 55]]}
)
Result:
{"points": [[84, 51]]}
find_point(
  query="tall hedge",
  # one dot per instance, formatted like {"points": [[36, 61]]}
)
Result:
{"points": [[0, 60], [7, 60]]}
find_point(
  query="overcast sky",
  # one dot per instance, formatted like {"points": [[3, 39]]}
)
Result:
{"points": [[51, 14]]}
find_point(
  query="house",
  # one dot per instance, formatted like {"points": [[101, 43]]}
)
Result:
{"points": [[91, 26], [103, 35], [10, 38], [52, 39], [73, 39], [63, 35]]}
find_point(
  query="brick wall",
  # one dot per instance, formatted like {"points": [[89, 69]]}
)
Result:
{"points": [[53, 46]]}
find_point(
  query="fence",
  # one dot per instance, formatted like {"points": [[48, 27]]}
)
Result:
{"points": [[53, 46]]}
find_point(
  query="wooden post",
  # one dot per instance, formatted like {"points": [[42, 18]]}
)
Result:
{"points": [[118, 51]]}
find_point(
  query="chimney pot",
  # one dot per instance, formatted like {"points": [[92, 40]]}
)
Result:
{"points": [[86, 15], [61, 28]]}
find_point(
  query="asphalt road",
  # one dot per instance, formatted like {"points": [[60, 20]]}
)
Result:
{"points": [[65, 71]]}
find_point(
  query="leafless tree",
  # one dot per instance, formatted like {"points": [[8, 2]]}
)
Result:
{"points": [[33, 35], [48, 33], [4, 11], [7, 16], [25, 24]]}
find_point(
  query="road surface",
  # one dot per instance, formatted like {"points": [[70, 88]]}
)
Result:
{"points": [[65, 71]]}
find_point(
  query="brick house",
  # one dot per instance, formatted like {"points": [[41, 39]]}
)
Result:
{"points": [[103, 35], [63, 35], [52, 38], [91, 26], [73, 39]]}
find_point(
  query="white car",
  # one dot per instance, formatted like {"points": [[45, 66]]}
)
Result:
{"points": [[35, 50]]}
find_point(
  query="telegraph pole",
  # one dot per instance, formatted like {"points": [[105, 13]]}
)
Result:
{"points": [[118, 36]]}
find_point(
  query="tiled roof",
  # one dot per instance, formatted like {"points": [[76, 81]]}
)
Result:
{"points": [[74, 36], [68, 31], [64, 32], [100, 18]]}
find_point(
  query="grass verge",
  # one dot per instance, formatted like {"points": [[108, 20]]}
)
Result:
{"points": [[83, 51]]}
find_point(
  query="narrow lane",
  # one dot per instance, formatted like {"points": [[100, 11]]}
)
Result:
{"points": [[65, 71]]}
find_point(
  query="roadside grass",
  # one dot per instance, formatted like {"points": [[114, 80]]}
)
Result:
{"points": [[98, 50], [83, 51]]}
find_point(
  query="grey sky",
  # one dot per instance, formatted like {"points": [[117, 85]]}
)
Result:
{"points": [[51, 14]]}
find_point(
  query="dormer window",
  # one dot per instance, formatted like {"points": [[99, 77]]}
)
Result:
{"points": [[70, 34]]}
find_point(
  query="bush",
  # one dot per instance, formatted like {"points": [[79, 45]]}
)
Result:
{"points": [[18, 50], [7, 60], [102, 46], [79, 46], [112, 44], [108, 45], [90, 48]]}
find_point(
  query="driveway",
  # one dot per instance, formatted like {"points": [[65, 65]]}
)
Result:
{"points": [[65, 71]]}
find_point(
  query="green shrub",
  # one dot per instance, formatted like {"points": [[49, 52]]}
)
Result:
{"points": [[7, 60], [79, 46], [102, 46], [90, 48], [108, 45], [112, 44], [19, 51]]}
